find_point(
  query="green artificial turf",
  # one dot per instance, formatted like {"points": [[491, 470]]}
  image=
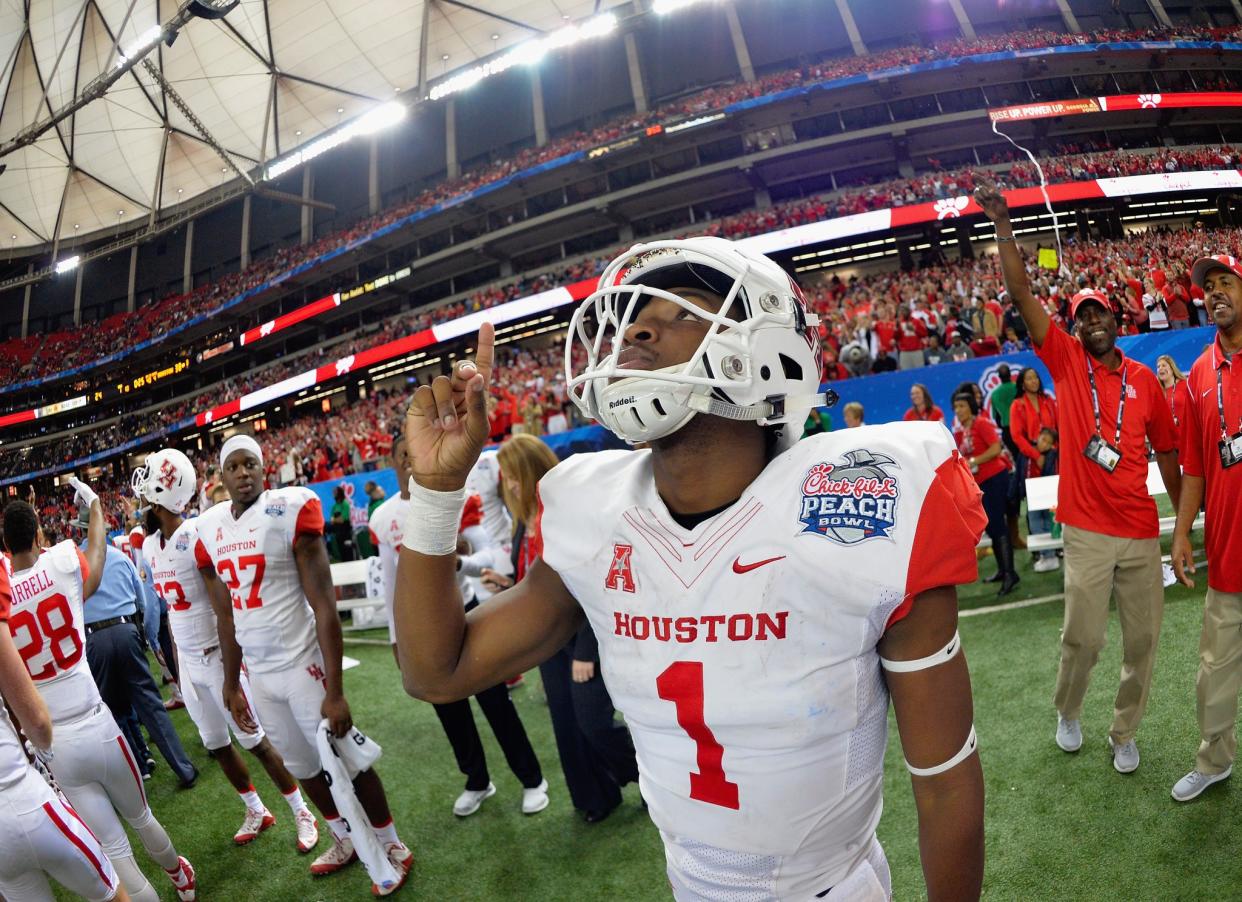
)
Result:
{"points": [[1058, 826]]}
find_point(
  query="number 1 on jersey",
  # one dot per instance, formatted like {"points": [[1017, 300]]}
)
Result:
{"points": [[682, 684]]}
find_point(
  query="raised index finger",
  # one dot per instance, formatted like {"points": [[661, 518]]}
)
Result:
{"points": [[485, 354]]}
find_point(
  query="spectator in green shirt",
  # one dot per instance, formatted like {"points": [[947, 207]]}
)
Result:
{"points": [[340, 541], [1002, 399]]}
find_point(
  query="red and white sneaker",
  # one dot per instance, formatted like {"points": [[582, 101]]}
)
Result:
{"points": [[183, 881], [339, 855], [308, 830], [254, 824], [402, 859]]}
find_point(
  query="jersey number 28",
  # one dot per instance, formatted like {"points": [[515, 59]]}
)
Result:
{"points": [[682, 684], [40, 629]]}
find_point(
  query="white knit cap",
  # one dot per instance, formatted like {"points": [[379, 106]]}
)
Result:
{"points": [[240, 443]]}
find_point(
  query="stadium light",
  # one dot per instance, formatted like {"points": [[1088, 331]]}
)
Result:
{"points": [[383, 116], [528, 53], [138, 48], [68, 263]]}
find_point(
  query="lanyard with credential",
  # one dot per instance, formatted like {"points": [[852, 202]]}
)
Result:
{"points": [[1220, 407], [1121, 405]]}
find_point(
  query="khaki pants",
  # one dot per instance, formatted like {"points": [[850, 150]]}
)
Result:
{"points": [[1098, 566], [1220, 677]]}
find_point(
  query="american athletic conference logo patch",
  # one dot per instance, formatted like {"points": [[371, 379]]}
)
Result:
{"points": [[851, 501]]}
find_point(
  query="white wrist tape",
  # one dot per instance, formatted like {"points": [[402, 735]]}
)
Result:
{"points": [[972, 743], [935, 659], [434, 520]]}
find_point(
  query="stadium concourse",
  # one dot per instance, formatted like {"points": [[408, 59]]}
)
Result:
{"points": [[909, 318]]}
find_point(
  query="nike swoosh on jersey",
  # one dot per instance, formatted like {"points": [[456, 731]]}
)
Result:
{"points": [[739, 567]]}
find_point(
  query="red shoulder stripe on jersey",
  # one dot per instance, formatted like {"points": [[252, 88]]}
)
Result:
{"points": [[201, 557], [136, 538], [86, 568], [950, 523], [310, 519], [50, 811]]}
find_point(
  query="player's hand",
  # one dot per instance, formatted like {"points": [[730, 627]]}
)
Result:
{"points": [[83, 494], [335, 711], [994, 205], [495, 581], [235, 701], [446, 423], [1183, 556], [583, 671]]}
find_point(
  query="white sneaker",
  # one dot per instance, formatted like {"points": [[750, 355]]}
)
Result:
{"points": [[1046, 565], [1069, 734], [339, 854], [183, 881], [1125, 756], [536, 799], [401, 858], [1190, 786], [308, 830], [469, 801], [254, 824]]}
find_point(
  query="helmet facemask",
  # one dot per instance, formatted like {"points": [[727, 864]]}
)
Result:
{"points": [[758, 362]]}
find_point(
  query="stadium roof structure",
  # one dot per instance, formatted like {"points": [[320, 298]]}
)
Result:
{"points": [[223, 98]]}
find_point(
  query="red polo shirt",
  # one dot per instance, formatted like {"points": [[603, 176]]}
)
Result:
{"points": [[1089, 497], [1201, 457]]}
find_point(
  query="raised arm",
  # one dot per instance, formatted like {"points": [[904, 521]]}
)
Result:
{"points": [[445, 654], [96, 535], [1016, 283], [930, 688]]}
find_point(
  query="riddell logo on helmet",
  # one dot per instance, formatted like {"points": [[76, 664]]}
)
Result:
{"points": [[621, 402]]}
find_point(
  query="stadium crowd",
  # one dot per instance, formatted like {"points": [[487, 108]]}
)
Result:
{"points": [[1075, 165], [44, 355]]}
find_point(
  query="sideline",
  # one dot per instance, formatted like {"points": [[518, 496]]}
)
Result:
{"points": [[1043, 599]]}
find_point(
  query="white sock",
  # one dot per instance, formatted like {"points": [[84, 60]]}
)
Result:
{"points": [[387, 834], [294, 798], [252, 800], [338, 828]]}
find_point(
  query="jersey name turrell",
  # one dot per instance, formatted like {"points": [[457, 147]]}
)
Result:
{"points": [[174, 574], [49, 630], [253, 555], [742, 652]]}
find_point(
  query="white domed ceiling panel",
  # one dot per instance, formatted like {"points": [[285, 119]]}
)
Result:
{"points": [[269, 70]]}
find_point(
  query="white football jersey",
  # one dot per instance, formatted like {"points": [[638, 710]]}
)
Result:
{"points": [[742, 652], [387, 524], [253, 554], [174, 574], [484, 481], [49, 630]]}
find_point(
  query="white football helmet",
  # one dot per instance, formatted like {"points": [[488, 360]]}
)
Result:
{"points": [[761, 364], [166, 478]]}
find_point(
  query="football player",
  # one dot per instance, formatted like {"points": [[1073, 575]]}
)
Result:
{"points": [[40, 835], [758, 600], [90, 759], [264, 561], [166, 482]]}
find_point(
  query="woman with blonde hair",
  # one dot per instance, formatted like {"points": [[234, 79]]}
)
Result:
{"points": [[1173, 381], [597, 754]]}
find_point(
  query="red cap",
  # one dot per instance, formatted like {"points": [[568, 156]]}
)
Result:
{"points": [[1089, 294], [1220, 261]]}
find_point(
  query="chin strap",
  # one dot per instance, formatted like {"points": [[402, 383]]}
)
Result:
{"points": [[764, 410]]}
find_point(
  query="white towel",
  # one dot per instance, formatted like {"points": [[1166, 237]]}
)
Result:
{"points": [[342, 760]]}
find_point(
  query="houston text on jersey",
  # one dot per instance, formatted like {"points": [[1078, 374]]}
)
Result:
{"points": [[707, 627]]}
